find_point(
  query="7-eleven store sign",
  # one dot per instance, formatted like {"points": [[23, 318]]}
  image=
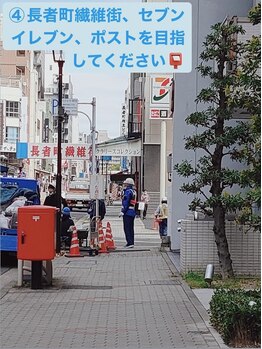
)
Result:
{"points": [[161, 89]]}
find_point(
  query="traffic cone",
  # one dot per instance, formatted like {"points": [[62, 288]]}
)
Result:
{"points": [[109, 238], [74, 248], [101, 239]]}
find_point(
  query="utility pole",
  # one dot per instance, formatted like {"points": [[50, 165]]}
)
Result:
{"points": [[163, 160], [60, 63], [93, 130]]}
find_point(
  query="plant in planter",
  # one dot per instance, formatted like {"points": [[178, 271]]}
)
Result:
{"points": [[236, 316]]}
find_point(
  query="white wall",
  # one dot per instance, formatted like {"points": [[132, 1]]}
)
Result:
{"points": [[198, 248], [205, 13]]}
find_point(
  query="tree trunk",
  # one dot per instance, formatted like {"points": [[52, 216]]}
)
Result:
{"points": [[225, 261]]}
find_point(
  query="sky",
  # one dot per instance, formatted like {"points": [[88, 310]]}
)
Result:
{"points": [[109, 91], [108, 88]]}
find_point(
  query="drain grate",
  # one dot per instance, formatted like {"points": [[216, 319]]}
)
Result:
{"points": [[82, 263], [199, 331], [86, 287], [165, 282]]}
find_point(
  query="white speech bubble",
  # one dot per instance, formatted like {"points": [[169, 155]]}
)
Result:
{"points": [[148, 37]]}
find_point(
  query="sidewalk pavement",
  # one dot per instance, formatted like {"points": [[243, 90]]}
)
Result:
{"points": [[126, 299]]}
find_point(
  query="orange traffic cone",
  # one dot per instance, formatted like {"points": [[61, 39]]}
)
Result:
{"points": [[74, 248], [109, 238], [101, 239]]}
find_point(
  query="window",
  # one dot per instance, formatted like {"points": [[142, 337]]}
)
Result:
{"points": [[12, 109], [12, 134], [20, 53], [38, 127], [20, 70]]}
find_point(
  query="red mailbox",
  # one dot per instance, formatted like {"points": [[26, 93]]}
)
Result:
{"points": [[36, 232]]}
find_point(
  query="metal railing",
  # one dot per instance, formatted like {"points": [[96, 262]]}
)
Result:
{"points": [[10, 82]]}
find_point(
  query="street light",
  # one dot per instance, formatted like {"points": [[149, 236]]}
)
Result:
{"points": [[93, 131], [58, 58], [90, 122], [93, 136]]}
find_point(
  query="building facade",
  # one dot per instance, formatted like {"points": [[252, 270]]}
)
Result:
{"points": [[205, 13]]}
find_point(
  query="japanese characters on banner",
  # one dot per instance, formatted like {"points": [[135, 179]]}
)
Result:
{"points": [[160, 96], [49, 151], [81, 151], [8, 148], [137, 36], [122, 149], [124, 120]]}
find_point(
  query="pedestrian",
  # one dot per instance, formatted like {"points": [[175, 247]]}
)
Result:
{"points": [[51, 199], [161, 214], [66, 223], [91, 210], [145, 199], [128, 211]]}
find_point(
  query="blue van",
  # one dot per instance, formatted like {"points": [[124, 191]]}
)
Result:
{"points": [[12, 188]]}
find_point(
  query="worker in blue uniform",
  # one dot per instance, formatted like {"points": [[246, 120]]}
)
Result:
{"points": [[66, 223], [128, 212]]}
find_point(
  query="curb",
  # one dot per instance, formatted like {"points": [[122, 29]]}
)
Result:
{"points": [[195, 301]]}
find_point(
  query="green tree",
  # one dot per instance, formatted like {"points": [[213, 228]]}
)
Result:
{"points": [[217, 136]]}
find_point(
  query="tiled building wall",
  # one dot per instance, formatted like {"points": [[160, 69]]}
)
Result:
{"points": [[198, 247]]}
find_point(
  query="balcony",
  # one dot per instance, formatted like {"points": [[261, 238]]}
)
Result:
{"points": [[134, 130], [10, 82], [51, 90]]}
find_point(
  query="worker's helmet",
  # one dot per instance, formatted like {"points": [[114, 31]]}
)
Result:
{"points": [[164, 199], [66, 211], [129, 181]]}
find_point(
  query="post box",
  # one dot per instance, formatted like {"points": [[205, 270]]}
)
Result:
{"points": [[36, 232]]}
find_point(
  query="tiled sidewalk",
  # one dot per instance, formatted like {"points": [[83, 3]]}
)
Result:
{"points": [[126, 299]]}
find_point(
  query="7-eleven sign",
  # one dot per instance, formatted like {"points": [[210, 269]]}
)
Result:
{"points": [[161, 95], [160, 89]]}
